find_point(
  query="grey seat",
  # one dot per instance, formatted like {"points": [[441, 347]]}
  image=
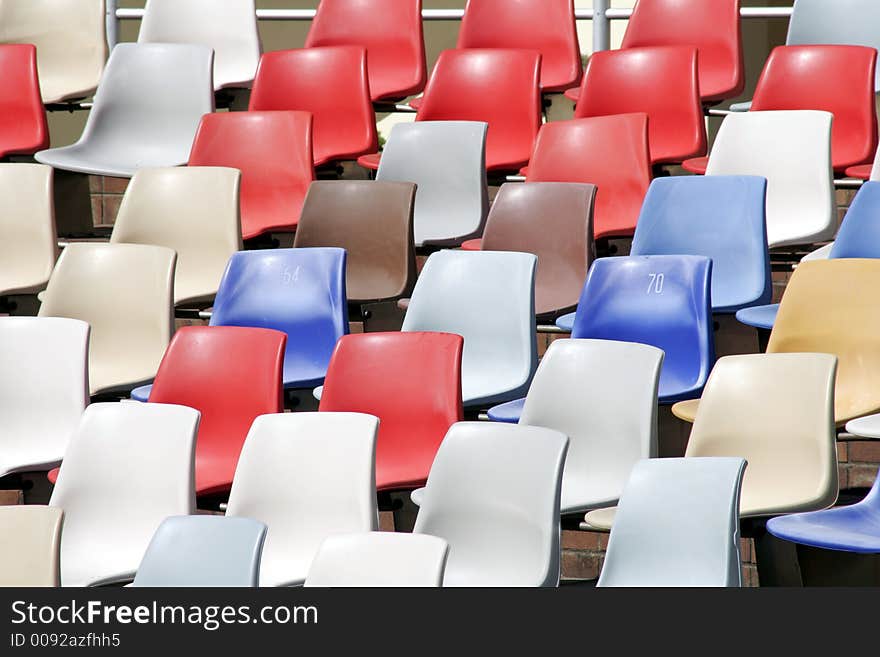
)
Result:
{"points": [[203, 551], [147, 109], [677, 525], [452, 197]]}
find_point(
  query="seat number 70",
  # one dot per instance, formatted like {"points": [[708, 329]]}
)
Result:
{"points": [[656, 284]]}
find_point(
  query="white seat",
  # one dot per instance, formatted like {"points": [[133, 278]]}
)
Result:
{"points": [[192, 210], [451, 196], [28, 242], [44, 387], [128, 467], [792, 150], [487, 297], [71, 41], [379, 559], [306, 476], [677, 525], [147, 109], [493, 495], [31, 546], [229, 27]]}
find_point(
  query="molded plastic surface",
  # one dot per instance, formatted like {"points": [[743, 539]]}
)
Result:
{"points": [[31, 546], [23, 128]]}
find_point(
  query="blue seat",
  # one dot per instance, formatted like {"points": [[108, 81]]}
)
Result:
{"points": [[761, 317], [298, 291], [508, 412]]}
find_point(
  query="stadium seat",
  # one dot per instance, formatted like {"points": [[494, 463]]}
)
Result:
{"points": [[229, 27], [379, 559], [866, 171], [792, 150], [203, 551], [28, 242], [547, 26], [391, 32], [373, 222], [125, 293], [31, 546], [273, 151], [192, 210], [43, 389], [477, 506], [332, 84], [610, 152], [554, 221], [412, 383], [677, 525], [71, 41], [660, 82], [197, 371], [451, 191], [128, 467], [146, 112], [23, 128], [777, 412], [488, 298], [307, 476]]}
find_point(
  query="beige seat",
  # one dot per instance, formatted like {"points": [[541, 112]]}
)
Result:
{"points": [[28, 243], [124, 292], [777, 412], [193, 210], [31, 546], [71, 41]]}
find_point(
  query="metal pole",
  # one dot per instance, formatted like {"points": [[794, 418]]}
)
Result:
{"points": [[112, 24], [601, 26]]}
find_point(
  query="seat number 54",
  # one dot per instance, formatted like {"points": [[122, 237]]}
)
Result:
{"points": [[656, 284]]}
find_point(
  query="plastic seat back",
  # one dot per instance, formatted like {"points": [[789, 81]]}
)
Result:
{"points": [[23, 129], [373, 222], [777, 412], [71, 41], [677, 525], [229, 27], [125, 293], [859, 234], [713, 27], [44, 388], [554, 221], [300, 292], [273, 151], [824, 310], [610, 152], [412, 383], [390, 30], [307, 476], [473, 504], [332, 84], [203, 551], [603, 396], [488, 298], [792, 150], [128, 467], [31, 547], [720, 217], [836, 79], [547, 26], [664, 301], [198, 371], [451, 196], [662, 82], [192, 210], [496, 86]]}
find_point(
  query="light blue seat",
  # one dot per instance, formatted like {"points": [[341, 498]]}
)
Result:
{"points": [[189, 551]]}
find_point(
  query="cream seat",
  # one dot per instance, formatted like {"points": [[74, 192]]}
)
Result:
{"points": [[31, 546]]}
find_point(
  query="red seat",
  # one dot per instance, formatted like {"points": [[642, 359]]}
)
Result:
{"points": [[23, 129], [610, 152], [231, 375], [273, 151], [660, 82], [861, 172], [412, 383], [390, 30], [332, 84], [547, 26]]}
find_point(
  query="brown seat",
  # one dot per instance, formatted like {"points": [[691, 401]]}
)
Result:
{"points": [[553, 221], [373, 222]]}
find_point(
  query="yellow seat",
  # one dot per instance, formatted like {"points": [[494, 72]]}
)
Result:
{"points": [[31, 546]]}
